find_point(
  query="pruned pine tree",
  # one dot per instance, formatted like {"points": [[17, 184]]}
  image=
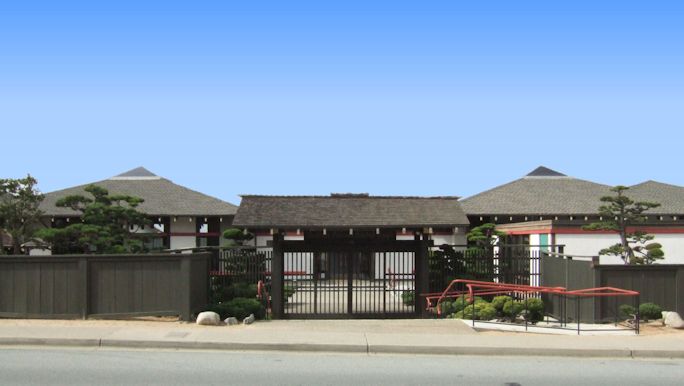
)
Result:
{"points": [[620, 214]]}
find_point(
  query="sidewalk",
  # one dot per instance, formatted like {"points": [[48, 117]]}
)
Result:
{"points": [[444, 336]]}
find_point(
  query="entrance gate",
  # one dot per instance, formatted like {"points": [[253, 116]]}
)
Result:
{"points": [[351, 280]]}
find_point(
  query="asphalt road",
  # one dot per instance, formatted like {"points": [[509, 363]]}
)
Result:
{"points": [[101, 367]]}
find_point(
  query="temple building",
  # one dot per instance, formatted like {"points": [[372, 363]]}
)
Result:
{"points": [[180, 218]]}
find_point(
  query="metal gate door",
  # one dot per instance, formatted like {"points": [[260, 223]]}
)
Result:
{"points": [[338, 284]]}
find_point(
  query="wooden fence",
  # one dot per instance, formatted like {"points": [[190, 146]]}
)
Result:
{"points": [[103, 286], [662, 284]]}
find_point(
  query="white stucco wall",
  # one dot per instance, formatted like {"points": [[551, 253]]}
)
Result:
{"points": [[590, 244], [456, 239], [182, 225], [40, 252], [261, 241]]}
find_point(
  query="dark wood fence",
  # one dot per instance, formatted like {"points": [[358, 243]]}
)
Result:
{"points": [[662, 284], [572, 275], [103, 286]]}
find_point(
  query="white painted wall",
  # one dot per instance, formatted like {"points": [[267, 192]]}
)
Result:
{"points": [[590, 244], [182, 225], [456, 239], [262, 241], [40, 252]]}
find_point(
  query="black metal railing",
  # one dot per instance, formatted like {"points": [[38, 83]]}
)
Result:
{"points": [[511, 264], [335, 284], [230, 267]]}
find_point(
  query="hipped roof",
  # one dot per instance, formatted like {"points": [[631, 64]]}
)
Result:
{"points": [[162, 197], [670, 197], [541, 192]]}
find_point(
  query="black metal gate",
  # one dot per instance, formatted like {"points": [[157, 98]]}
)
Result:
{"points": [[357, 282]]}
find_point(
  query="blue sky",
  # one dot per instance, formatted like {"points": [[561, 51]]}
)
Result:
{"points": [[296, 97]]}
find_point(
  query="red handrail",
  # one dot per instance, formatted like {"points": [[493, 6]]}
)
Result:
{"points": [[475, 287]]}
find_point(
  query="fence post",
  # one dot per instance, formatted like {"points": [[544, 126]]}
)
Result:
{"points": [[422, 279], [185, 287], [597, 301], [84, 286], [679, 289], [595, 261], [277, 269]]}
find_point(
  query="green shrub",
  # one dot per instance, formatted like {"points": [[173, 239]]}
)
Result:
{"points": [[487, 312], [463, 301], [242, 290], [627, 311], [512, 309], [289, 290], [460, 303], [468, 313], [408, 297], [222, 294], [649, 311], [447, 307], [239, 308], [480, 310], [499, 301], [535, 310]]}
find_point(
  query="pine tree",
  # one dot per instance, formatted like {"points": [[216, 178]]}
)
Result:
{"points": [[620, 214], [108, 224]]}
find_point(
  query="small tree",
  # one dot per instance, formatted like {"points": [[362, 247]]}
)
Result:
{"points": [[236, 237], [109, 223], [19, 213], [485, 236], [619, 214]]}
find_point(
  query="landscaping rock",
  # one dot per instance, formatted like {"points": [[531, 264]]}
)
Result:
{"points": [[231, 321], [208, 318], [672, 319], [249, 320]]}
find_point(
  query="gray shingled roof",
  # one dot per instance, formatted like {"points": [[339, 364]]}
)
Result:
{"points": [[162, 197], [670, 197], [348, 211], [542, 192]]}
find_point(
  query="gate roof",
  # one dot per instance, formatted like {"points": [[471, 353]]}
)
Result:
{"points": [[348, 210]]}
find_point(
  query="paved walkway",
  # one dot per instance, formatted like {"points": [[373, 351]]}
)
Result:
{"points": [[445, 336]]}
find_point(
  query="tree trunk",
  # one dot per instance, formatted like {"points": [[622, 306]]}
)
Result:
{"points": [[628, 254]]}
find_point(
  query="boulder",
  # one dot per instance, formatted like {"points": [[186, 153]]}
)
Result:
{"points": [[249, 320], [208, 318], [672, 319], [231, 321]]}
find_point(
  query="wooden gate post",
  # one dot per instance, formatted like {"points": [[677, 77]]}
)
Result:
{"points": [[277, 271], [422, 278]]}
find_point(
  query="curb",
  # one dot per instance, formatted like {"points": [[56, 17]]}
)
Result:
{"points": [[658, 354], [341, 348], [236, 346], [501, 351], [66, 342]]}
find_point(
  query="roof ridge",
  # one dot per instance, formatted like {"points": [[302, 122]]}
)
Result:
{"points": [[345, 197]]}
